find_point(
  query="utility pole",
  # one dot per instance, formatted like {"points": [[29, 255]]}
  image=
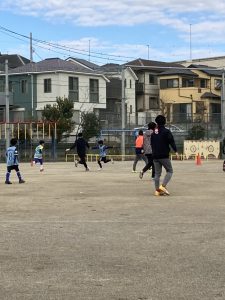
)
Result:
{"points": [[223, 105], [148, 51], [123, 116], [31, 48], [32, 77], [89, 50], [7, 102], [190, 44]]}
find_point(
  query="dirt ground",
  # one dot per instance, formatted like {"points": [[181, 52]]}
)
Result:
{"points": [[69, 234]]}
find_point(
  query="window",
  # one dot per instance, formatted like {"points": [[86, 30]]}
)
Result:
{"points": [[203, 83], [187, 82], [169, 83], [73, 89], [23, 86], [153, 102], [94, 90], [47, 85], [130, 83], [152, 79], [218, 83]]}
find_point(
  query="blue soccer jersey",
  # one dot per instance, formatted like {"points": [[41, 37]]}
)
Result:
{"points": [[38, 152], [12, 156]]}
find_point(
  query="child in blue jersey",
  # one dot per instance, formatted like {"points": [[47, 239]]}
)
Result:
{"points": [[102, 154], [12, 162], [38, 155]]}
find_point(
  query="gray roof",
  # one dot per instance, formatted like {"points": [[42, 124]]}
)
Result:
{"points": [[182, 71], [211, 71], [110, 68], [14, 60], [157, 66], [51, 65], [84, 62]]}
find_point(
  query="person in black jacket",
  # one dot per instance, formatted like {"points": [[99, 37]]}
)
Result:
{"points": [[162, 139], [81, 145]]}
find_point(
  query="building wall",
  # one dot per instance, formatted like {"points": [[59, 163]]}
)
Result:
{"points": [[60, 89], [130, 95]]}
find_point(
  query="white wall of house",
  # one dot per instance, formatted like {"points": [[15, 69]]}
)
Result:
{"points": [[59, 82], [130, 95]]}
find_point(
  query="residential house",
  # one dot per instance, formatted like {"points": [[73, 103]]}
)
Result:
{"points": [[215, 62], [147, 100], [14, 61], [36, 84], [114, 94], [190, 94]]}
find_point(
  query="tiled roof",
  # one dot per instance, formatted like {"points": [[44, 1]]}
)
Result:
{"points": [[206, 69], [14, 60], [182, 71], [52, 64], [158, 66], [84, 62], [110, 68]]}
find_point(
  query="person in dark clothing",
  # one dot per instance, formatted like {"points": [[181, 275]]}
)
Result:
{"points": [[81, 145], [148, 150], [161, 141]]}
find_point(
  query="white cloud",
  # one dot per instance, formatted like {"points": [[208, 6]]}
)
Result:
{"points": [[174, 14], [206, 17]]}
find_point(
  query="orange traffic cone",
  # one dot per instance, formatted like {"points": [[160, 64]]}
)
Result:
{"points": [[198, 160]]}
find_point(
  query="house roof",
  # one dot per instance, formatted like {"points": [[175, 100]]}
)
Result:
{"points": [[14, 60], [210, 95], [207, 70], [110, 68], [158, 66], [83, 62], [53, 65], [181, 71]]}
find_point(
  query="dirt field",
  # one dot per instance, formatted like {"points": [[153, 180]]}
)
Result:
{"points": [[67, 234]]}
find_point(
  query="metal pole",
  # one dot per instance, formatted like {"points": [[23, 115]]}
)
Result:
{"points": [[223, 105], [31, 49], [7, 102], [190, 44], [123, 152]]}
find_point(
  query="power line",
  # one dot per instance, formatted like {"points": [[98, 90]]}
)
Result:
{"points": [[71, 49]]}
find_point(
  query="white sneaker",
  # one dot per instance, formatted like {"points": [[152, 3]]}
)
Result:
{"points": [[99, 169], [112, 161], [76, 163]]}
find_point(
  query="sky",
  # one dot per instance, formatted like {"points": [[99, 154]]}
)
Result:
{"points": [[115, 31]]}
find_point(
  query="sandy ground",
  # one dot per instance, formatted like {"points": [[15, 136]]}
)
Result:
{"points": [[69, 234]]}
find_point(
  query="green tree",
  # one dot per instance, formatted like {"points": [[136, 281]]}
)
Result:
{"points": [[60, 113], [90, 125], [197, 132]]}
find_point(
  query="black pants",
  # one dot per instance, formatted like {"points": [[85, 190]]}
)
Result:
{"points": [[149, 164], [82, 160], [104, 159]]}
